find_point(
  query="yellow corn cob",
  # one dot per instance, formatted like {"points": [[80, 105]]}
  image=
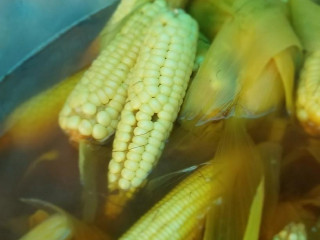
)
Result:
{"points": [[92, 110], [308, 95], [38, 217], [55, 227], [64, 227], [35, 120], [293, 231], [178, 214], [157, 86]]}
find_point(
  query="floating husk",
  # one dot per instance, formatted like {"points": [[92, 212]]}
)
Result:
{"points": [[211, 14], [232, 70], [230, 214], [91, 162], [271, 153]]}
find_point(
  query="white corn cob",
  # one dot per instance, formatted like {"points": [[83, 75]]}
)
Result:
{"points": [[93, 109], [157, 87]]}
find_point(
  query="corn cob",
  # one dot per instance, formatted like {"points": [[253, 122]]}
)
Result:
{"points": [[180, 212], [308, 94], [55, 227], [92, 110], [36, 119], [157, 86], [38, 217], [293, 231], [123, 11], [63, 227]]}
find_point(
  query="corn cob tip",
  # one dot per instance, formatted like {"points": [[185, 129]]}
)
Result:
{"points": [[115, 203]]}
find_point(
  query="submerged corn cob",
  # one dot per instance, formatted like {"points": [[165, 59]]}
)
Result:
{"points": [[293, 231], [157, 86], [55, 227], [38, 217], [253, 102], [308, 95], [92, 110], [179, 213], [202, 49], [64, 227], [35, 120]]}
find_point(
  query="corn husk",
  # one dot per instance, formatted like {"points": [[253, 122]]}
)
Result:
{"points": [[271, 153], [91, 168], [255, 215], [211, 14], [49, 156], [202, 49], [236, 213], [306, 23], [254, 50]]}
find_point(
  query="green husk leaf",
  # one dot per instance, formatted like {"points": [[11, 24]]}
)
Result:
{"points": [[253, 225], [306, 22], [91, 158], [211, 14]]}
